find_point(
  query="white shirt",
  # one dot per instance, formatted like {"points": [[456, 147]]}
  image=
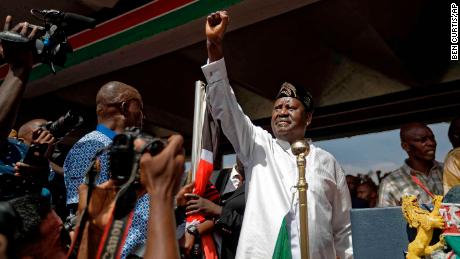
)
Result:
{"points": [[271, 174]]}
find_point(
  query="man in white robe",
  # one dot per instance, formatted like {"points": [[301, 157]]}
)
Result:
{"points": [[272, 211]]}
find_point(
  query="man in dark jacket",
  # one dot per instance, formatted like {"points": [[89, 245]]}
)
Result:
{"points": [[228, 214]]}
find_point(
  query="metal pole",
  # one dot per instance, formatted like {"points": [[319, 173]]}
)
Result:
{"points": [[301, 149]]}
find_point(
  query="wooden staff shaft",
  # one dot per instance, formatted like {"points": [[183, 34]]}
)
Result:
{"points": [[302, 187]]}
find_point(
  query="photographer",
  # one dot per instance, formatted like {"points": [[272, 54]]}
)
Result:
{"points": [[39, 140], [35, 168], [34, 229], [159, 176], [20, 60], [34, 133]]}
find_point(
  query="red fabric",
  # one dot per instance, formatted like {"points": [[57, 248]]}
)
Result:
{"points": [[209, 249], [419, 183], [203, 174], [210, 137]]}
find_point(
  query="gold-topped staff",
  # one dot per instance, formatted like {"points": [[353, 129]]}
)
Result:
{"points": [[300, 149]]}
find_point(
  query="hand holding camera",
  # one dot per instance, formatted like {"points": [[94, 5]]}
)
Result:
{"points": [[51, 46], [161, 174], [17, 51], [35, 165], [138, 162]]}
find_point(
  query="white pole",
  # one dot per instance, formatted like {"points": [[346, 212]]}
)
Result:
{"points": [[198, 118]]}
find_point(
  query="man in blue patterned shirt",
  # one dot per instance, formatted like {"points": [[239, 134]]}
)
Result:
{"points": [[117, 106]]}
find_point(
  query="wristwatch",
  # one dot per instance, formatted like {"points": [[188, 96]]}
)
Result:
{"points": [[193, 230]]}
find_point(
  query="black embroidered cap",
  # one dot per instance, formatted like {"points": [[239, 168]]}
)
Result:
{"points": [[289, 90]]}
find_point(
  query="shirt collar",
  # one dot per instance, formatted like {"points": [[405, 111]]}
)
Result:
{"points": [[287, 147], [234, 173], [106, 131], [284, 144], [409, 169]]}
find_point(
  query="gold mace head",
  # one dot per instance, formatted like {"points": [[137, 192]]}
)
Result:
{"points": [[300, 147]]}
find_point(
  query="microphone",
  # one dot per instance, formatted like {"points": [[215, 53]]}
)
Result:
{"points": [[70, 18], [89, 22]]}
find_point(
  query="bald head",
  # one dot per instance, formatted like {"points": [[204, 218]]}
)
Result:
{"points": [[116, 92], [454, 132], [26, 130], [408, 129], [116, 98]]}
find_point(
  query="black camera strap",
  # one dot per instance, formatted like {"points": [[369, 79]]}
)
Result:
{"points": [[116, 231], [91, 174]]}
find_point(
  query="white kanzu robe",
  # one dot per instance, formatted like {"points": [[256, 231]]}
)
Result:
{"points": [[271, 174]]}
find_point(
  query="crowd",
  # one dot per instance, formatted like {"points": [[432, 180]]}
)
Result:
{"points": [[119, 192], [363, 191]]}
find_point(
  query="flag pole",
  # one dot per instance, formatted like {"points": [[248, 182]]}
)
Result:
{"points": [[198, 115]]}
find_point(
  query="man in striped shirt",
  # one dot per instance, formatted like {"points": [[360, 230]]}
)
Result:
{"points": [[421, 174]]}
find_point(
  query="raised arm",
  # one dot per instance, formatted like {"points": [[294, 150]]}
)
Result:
{"points": [[160, 175], [236, 126], [216, 25], [20, 63]]}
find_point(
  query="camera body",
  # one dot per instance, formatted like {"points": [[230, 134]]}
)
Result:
{"points": [[12, 185], [123, 156]]}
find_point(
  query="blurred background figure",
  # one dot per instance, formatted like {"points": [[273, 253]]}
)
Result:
{"points": [[452, 161], [353, 183], [367, 191]]}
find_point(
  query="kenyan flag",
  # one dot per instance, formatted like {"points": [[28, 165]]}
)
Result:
{"points": [[283, 243]]}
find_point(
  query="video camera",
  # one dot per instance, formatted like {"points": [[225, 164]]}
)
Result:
{"points": [[51, 46], [124, 159]]}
